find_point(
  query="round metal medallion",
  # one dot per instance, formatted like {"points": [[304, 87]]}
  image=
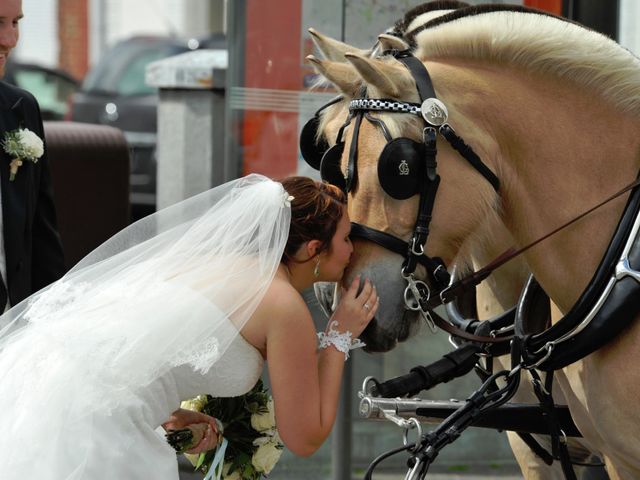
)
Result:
{"points": [[434, 112]]}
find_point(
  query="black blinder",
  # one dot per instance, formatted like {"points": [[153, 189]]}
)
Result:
{"points": [[330, 167], [401, 167], [311, 147]]}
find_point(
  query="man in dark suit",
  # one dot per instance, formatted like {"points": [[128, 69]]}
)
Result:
{"points": [[30, 249]]}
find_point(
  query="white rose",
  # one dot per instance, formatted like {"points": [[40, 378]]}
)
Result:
{"points": [[264, 421], [195, 404], [32, 143], [266, 457], [271, 435]]}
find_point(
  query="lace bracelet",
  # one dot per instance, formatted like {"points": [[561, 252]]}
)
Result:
{"points": [[341, 341]]}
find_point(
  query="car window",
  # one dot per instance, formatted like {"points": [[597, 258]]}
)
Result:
{"points": [[122, 69], [51, 91], [131, 81]]}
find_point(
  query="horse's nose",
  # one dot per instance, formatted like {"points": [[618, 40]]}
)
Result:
{"points": [[377, 339]]}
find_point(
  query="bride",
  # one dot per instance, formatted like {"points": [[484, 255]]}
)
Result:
{"points": [[190, 300]]}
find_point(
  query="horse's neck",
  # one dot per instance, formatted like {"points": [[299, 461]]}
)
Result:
{"points": [[502, 288], [560, 151]]}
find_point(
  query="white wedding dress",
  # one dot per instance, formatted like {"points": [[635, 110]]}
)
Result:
{"points": [[91, 366]]}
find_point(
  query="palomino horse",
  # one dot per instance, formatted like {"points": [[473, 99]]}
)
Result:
{"points": [[551, 109], [502, 288]]}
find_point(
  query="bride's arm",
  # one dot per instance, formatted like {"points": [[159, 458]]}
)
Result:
{"points": [[306, 381]]}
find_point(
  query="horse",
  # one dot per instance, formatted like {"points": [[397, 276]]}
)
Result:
{"points": [[494, 295], [551, 108], [499, 291]]}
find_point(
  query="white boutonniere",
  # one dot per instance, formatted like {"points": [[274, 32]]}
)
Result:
{"points": [[22, 144]]}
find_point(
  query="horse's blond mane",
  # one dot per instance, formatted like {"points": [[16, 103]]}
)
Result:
{"points": [[541, 44]]}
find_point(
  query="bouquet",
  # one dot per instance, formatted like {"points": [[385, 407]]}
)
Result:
{"points": [[251, 446]]}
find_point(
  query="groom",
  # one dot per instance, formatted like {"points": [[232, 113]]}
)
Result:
{"points": [[30, 248]]}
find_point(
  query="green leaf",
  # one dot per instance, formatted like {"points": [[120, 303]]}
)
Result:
{"points": [[201, 460]]}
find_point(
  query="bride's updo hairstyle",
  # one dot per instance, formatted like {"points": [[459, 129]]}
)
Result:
{"points": [[316, 209]]}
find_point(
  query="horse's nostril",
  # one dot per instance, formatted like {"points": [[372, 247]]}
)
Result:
{"points": [[404, 332]]}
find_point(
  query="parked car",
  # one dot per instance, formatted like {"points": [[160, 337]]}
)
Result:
{"points": [[52, 87], [114, 93]]}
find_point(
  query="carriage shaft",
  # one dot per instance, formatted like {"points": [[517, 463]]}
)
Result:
{"points": [[517, 417]]}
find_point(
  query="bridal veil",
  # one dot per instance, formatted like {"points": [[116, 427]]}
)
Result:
{"points": [[170, 290]]}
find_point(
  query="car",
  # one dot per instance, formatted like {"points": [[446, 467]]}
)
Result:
{"points": [[52, 87], [114, 93]]}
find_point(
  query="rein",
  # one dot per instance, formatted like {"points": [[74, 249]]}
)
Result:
{"points": [[459, 287], [472, 280]]}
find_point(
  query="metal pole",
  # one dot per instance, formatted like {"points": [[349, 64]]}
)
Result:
{"points": [[97, 29], [341, 445], [236, 31]]}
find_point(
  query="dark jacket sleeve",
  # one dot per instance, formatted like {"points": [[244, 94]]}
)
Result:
{"points": [[48, 258]]}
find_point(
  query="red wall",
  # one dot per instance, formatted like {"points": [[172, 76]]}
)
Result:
{"points": [[73, 32], [273, 61], [553, 6]]}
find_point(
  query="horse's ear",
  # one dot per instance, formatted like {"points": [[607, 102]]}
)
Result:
{"points": [[341, 74], [389, 78], [333, 49], [391, 42]]}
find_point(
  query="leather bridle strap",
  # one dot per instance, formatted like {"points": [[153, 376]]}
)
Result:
{"points": [[457, 332], [469, 155], [352, 167], [389, 242], [428, 191], [419, 73]]}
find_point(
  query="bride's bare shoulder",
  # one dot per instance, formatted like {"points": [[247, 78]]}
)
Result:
{"points": [[283, 297], [282, 309]]}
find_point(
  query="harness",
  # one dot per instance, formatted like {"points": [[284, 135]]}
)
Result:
{"points": [[406, 168]]}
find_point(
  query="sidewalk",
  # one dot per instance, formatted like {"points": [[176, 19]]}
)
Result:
{"points": [[450, 476], [186, 473]]}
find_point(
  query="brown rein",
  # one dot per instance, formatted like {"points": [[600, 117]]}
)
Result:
{"points": [[475, 278]]}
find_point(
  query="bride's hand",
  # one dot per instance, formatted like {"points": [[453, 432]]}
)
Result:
{"points": [[356, 310], [204, 427], [208, 438]]}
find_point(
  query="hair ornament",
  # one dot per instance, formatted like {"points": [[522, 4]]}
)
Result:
{"points": [[287, 199]]}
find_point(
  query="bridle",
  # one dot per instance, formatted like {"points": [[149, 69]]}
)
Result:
{"points": [[396, 164]]}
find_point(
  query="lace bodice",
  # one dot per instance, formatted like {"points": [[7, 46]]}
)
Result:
{"points": [[234, 374]]}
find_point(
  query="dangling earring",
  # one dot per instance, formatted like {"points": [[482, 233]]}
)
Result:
{"points": [[316, 271]]}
